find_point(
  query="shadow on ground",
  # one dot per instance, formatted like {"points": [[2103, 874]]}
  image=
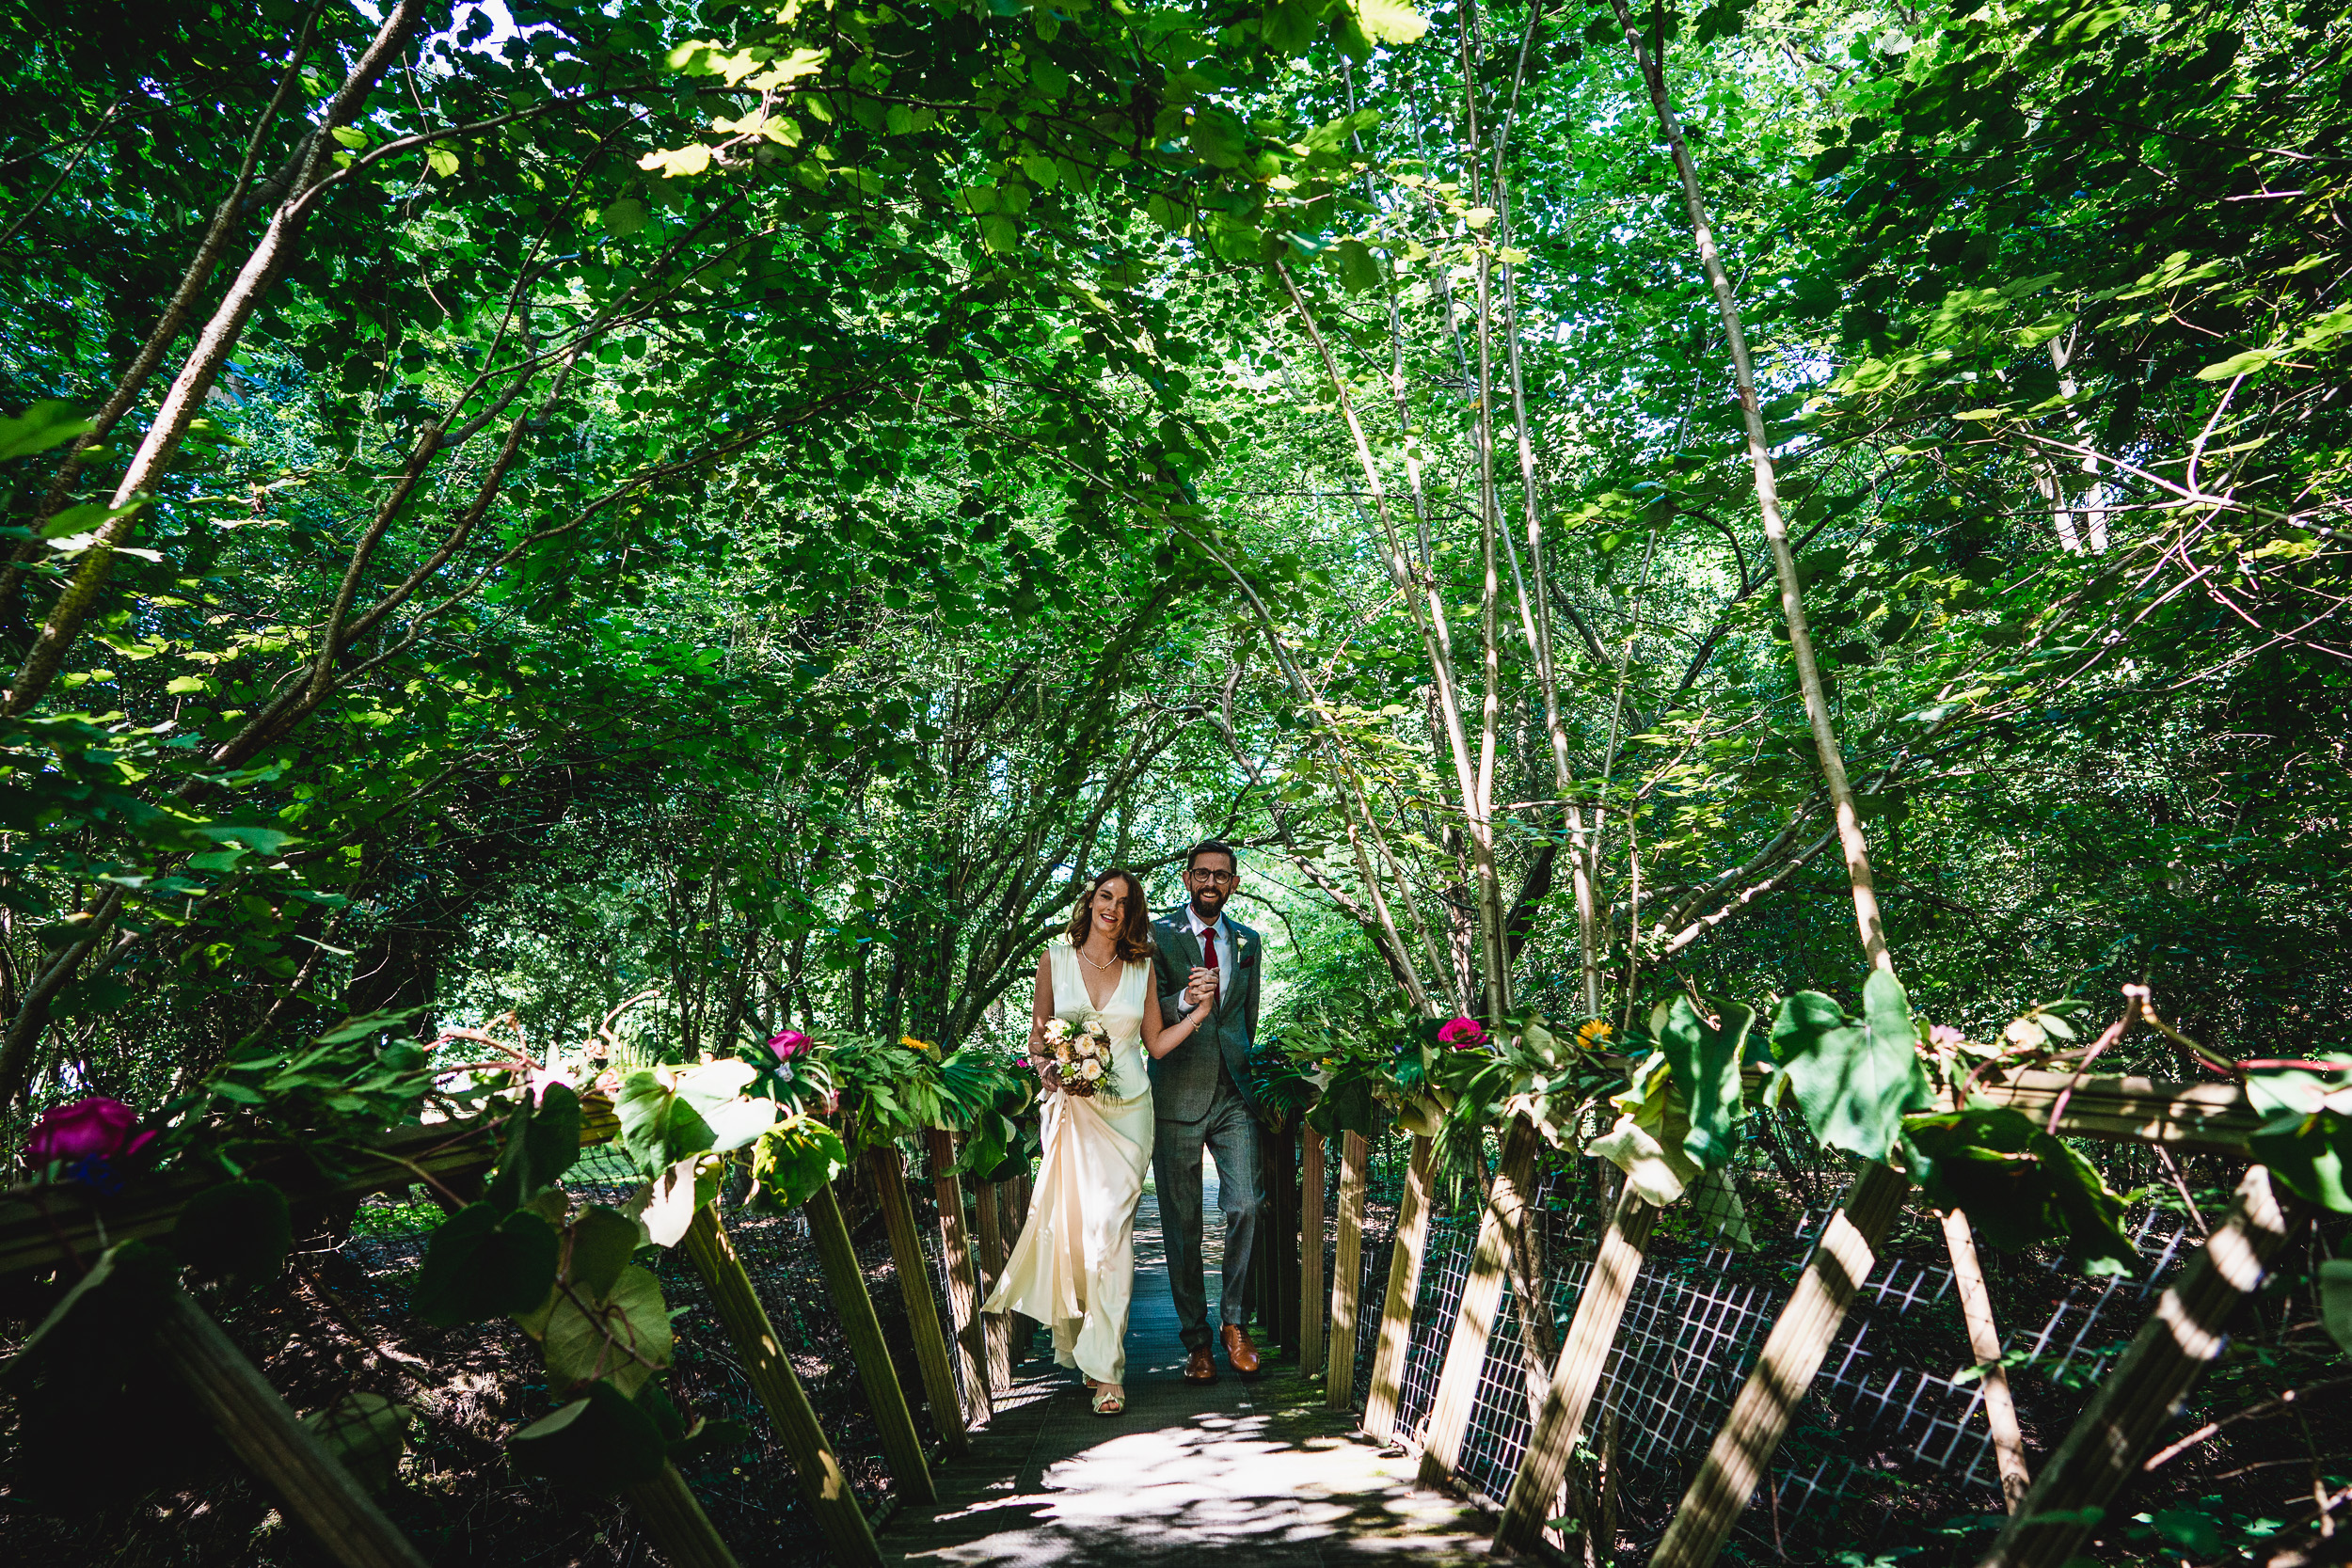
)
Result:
{"points": [[1233, 1472]]}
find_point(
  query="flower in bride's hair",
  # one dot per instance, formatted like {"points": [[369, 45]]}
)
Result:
{"points": [[1090, 1070]]}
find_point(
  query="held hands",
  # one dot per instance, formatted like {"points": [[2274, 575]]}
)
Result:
{"points": [[1200, 987]]}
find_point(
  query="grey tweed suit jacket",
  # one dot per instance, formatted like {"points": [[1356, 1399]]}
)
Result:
{"points": [[1183, 1081]]}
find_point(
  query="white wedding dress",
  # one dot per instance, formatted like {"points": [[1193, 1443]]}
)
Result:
{"points": [[1073, 1268]]}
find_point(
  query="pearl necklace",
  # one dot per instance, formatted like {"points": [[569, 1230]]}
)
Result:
{"points": [[1106, 964]]}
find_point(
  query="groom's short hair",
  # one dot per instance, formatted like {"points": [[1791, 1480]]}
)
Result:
{"points": [[1212, 847]]}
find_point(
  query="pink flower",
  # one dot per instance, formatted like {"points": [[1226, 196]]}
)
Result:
{"points": [[1462, 1034], [789, 1043], [1945, 1037], [93, 1128]]}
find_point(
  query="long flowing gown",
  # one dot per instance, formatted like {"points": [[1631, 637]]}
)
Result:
{"points": [[1073, 1267]]}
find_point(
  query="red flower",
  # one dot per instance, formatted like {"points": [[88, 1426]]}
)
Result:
{"points": [[93, 1128], [789, 1043], [1462, 1034]]}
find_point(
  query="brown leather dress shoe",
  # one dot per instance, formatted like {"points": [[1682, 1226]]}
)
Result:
{"points": [[1198, 1368], [1239, 1350]]}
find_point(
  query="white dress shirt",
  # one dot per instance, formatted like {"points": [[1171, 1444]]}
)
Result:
{"points": [[1224, 953]]}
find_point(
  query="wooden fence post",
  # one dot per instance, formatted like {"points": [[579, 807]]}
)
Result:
{"points": [[2184, 1336], [1347, 1273], [1792, 1354], [914, 1288], [964, 1294], [1482, 1300], [307, 1480], [1582, 1359], [1282, 1178], [1984, 1343], [666, 1505], [823, 1482], [902, 1447], [996, 1328], [1313, 1305], [1396, 1308]]}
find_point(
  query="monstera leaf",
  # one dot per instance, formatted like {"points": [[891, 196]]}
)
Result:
{"points": [[1854, 1079]]}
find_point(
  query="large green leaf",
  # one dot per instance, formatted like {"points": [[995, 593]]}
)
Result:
{"points": [[792, 1159], [622, 1337], [2020, 1187], [667, 1203], [603, 1241], [480, 1264], [1648, 1140], [2306, 1143], [542, 1143], [368, 1433], [601, 1441], [39, 427], [668, 1114], [1390, 21], [2335, 1300], [1704, 1058], [239, 1231], [1854, 1079]]}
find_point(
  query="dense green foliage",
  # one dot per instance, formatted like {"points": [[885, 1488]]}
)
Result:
{"points": [[765, 573], [608, 532]]}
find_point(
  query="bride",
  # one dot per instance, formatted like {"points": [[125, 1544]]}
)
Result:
{"points": [[1073, 1267]]}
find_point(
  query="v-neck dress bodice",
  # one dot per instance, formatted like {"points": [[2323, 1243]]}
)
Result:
{"points": [[1073, 1266], [1122, 1015]]}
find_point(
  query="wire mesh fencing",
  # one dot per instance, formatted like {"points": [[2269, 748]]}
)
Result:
{"points": [[1893, 1431]]}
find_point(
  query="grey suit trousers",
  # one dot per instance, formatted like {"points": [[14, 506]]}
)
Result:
{"points": [[1231, 1132]]}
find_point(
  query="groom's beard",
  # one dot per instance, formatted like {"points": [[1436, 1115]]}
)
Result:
{"points": [[1208, 915]]}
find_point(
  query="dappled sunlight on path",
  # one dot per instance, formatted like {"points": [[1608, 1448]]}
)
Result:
{"points": [[1240, 1472]]}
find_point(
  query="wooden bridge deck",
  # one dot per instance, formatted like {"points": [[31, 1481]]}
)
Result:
{"points": [[1235, 1473]]}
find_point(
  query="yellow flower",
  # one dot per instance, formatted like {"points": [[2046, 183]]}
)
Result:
{"points": [[1595, 1029], [914, 1044]]}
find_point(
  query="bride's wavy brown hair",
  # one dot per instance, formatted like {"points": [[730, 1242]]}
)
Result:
{"points": [[1134, 942]]}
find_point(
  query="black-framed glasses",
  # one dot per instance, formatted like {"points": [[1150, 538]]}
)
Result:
{"points": [[1215, 876]]}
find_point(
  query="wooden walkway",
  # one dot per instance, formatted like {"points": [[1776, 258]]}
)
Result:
{"points": [[1234, 1474]]}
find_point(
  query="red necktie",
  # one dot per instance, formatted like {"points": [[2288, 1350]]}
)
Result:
{"points": [[1208, 957]]}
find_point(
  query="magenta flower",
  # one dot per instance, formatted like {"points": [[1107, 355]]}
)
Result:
{"points": [[789, 1043], [98, 1128], [1462, 1034]]}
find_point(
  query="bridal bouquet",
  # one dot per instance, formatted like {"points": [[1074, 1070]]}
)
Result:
{"points": [[1081, 1055]]}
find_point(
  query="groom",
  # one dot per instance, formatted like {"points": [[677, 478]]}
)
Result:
{"points": [[1201, 1091]]}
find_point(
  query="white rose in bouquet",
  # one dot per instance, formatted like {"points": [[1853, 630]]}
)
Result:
{"points": [[1090, 1069], [1056, 1030]]}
